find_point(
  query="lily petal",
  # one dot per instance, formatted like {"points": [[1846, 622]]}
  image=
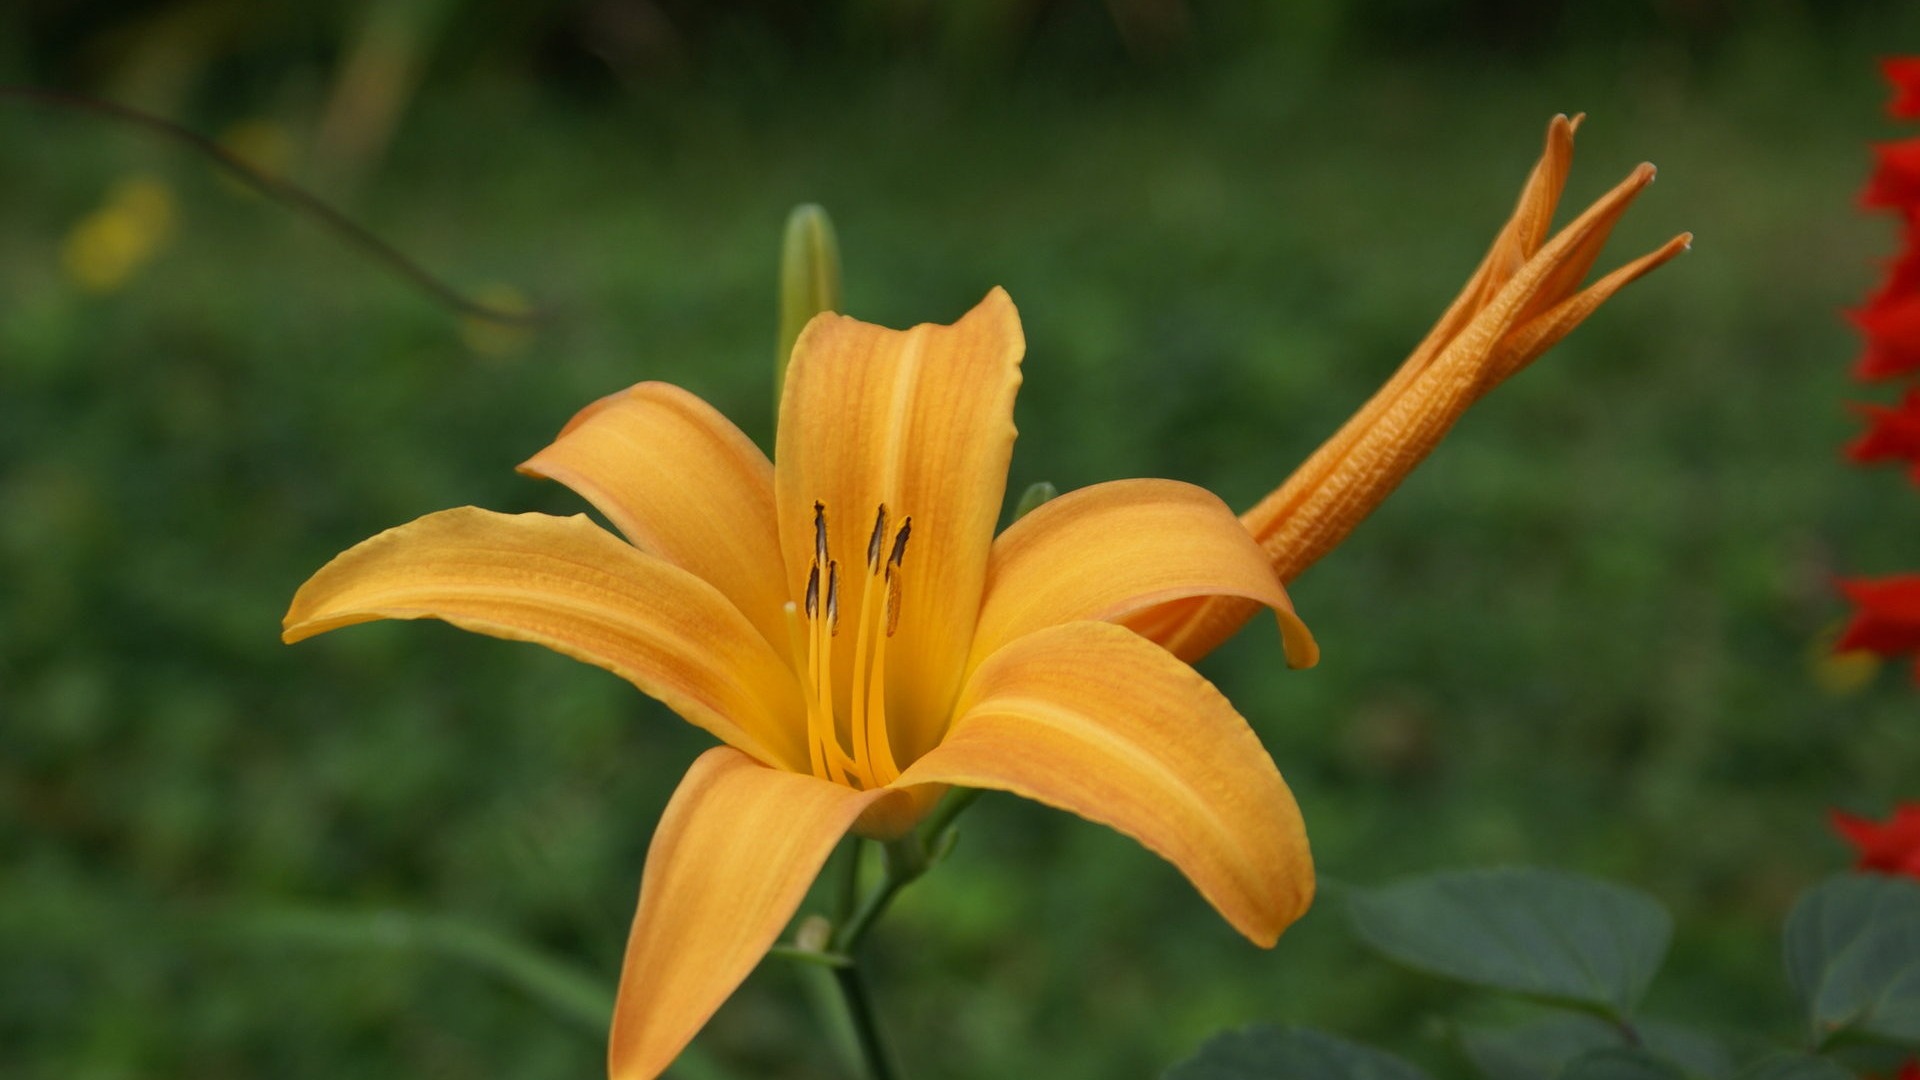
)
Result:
{"points": [[736, 849], [1091, 718], [570, 585], [681, 482], [1107, 551], [921, 421]]}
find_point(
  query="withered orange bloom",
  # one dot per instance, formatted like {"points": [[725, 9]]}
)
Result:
{"points": [[1525, 296], [844, 620]]}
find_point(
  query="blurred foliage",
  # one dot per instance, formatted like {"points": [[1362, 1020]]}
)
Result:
{"points": [[1577, 637]]}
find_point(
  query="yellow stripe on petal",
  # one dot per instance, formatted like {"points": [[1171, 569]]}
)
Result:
{"points": [[734, 854], [1093, 719], [682, 482], [920, 421], [572, 586], [1107, 551]]}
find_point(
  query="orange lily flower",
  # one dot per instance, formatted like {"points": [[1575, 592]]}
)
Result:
{"points": [[844, 620], [1523, 299]]}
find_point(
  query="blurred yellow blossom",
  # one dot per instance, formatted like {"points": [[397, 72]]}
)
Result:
{"points": [[115, 241], [1841, 674]]}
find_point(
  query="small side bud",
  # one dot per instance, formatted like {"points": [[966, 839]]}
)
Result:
{"points": [[809, 282], [1038, 493]]}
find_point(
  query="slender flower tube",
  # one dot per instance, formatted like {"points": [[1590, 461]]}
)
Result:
{"points": [[1523, 299], [844, 620]]}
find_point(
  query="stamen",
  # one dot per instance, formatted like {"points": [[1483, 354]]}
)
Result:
{"points": [[833, 598], [879, 537], [803, 654], [895, 562], [862, 720], [871, 762], [900, 543], [884, 766], [820, 726]]}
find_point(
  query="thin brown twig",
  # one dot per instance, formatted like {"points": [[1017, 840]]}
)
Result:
{"points": [[288, 195]]}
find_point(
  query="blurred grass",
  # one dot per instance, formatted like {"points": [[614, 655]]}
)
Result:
{"points": [[1578, 636]]}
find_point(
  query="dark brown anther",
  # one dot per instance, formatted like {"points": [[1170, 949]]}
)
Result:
{"points": [[879, 537], [813, 591], [900, 543], [833, 597]]}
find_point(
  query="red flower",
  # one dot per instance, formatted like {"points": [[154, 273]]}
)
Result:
{"points": [[1893, 434], [1895, 183], [1888, 619], [1891, 847], [1903, 274], [1904, 73], [1891, 325]]}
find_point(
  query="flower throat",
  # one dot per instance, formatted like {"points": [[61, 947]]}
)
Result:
{"points": [[869, 761]]}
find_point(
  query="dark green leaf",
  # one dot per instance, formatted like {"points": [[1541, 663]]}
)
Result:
{"points": [[1620, 1063], [1542, 934], [1853, 956], [1540, 1050], [1272, 1053], [1793, 1067]]}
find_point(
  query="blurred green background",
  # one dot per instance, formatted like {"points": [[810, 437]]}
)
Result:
{"points": [[1581, 635]]}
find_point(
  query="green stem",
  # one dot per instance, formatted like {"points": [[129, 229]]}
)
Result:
{"points": [[906, 860], [800, 955], [945, 815], [847, 889], [866, 1027]]}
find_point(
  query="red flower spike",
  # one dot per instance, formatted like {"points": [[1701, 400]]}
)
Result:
{"points": [[1891, 847], [1893, 434], [1903, 272], [1888, 619], [1904, 73], [1895, 183], [1891, 325]]}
